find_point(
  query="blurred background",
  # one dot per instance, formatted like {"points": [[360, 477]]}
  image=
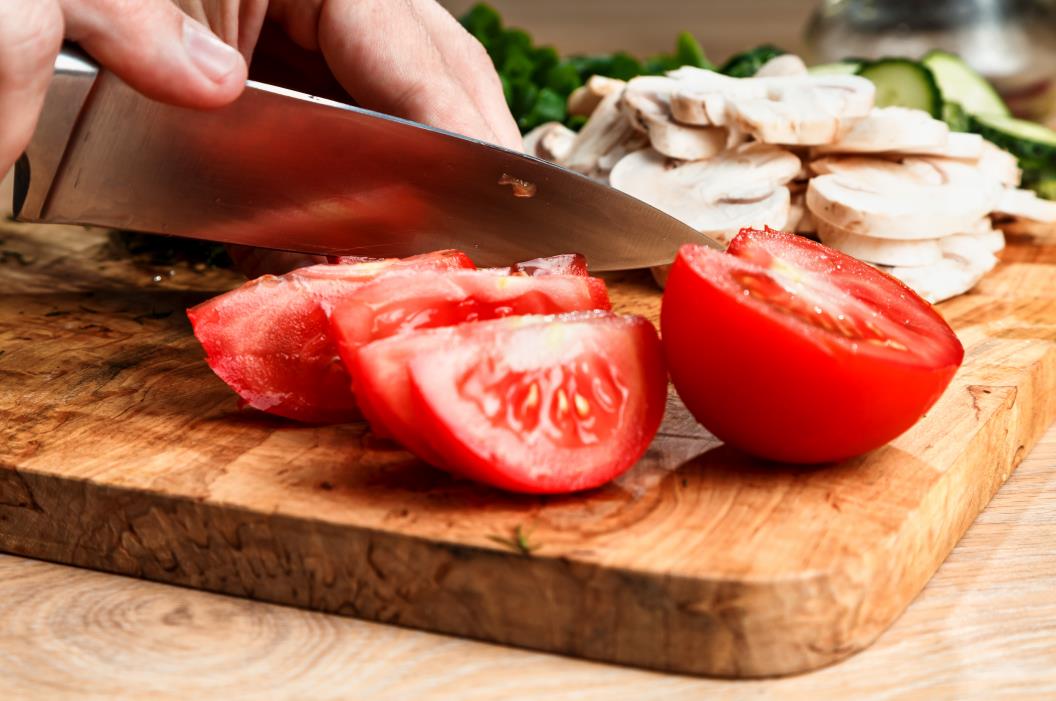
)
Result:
{"points": [[723, 27]]}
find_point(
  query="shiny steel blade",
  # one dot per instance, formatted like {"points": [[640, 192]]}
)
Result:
{"points": [[280, 169]]}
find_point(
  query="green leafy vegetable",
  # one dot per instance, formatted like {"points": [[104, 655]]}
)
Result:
{"points": [[537, 81], [747, 63]]}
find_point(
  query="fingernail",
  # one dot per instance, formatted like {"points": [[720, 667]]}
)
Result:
{"points": [[211, 56]]}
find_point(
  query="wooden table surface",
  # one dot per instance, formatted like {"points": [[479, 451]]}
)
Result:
{"points": [[984, 627]]}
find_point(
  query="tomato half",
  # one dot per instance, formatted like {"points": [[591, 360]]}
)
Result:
{"points": [[269, 339], [529, 404], [795, 352]]}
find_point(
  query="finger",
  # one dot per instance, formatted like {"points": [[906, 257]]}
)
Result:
{"points": [[158, 50], [383, 54], [236, 22], [30, 39], [470, 63]]}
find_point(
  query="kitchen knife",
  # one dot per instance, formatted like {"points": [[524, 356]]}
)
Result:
{"points": [[285, 170]]}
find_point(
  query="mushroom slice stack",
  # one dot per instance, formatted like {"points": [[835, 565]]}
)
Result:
{"points": [[740, 187], [794, 110], [647, 104]]}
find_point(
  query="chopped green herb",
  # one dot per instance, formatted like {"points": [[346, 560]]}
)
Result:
{"points": [[518, 542]]}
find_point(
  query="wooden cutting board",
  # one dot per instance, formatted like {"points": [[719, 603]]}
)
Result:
{"points": [[120, 451]]}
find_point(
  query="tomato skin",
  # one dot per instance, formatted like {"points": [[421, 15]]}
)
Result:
{"points": [[269, 339], [780, 389], [474, 439]]}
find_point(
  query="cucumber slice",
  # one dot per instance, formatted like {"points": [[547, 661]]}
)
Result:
{"points": [[1033, 143], [960, 83], [955, 116], [904, 83], [839, 68]]}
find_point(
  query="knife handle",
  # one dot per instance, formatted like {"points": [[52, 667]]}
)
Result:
{"points": [[35, 170]]}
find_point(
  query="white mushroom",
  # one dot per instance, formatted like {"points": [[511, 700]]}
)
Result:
{"points": [[891, 129], [1024, 204], [585, 99], [880, 251], [958, 145], [918, 199], [738, 188], [551, 141], [803, 110], [605, 132], [966, 259], [782, 66], [1002, 164], [646, 103]]}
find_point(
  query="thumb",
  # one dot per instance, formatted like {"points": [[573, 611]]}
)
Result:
{"points": [[158, 50]]}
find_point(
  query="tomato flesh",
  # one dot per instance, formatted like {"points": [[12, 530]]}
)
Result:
{"points": [[269, 339], [795, 352], [529, 404]]}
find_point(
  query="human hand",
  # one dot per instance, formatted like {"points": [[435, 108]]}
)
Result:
{"points": [[409, 58]]}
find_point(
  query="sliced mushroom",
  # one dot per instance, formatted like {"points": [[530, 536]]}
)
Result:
{"points": [[1002, 164], [782, 66], [880, 251], [926, 202], [993, 239], [551, 141], [891, 129], [738, 188], [1024, 204], [958, 145], [585, 99], [606, 131], [803, 110], [800, 220], [646, 103], [966, 259]]}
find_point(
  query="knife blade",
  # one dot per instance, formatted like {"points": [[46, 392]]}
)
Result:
{"points": [[284, 170]]}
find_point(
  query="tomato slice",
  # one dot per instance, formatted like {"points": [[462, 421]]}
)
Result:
{"points": [[269, 339], [795, 352], [395, 304], [529, 404]]}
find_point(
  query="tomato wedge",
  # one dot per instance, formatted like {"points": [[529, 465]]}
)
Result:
{"points": [[795, 352], [269, 339], [529, 404]]}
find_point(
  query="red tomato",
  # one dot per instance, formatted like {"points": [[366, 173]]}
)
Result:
{"points": [[269, 339], [399, 303], [795, 352], [528, 404]]}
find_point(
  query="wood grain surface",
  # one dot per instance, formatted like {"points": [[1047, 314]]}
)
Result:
{"points": [[120, 451], [983, 629]]}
